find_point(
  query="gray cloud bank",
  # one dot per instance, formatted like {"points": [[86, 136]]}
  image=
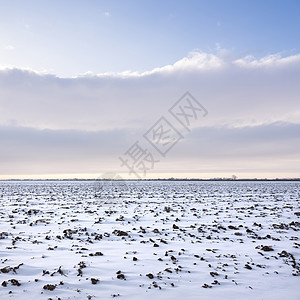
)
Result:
{"points": [[75, 151], [52, 125]]}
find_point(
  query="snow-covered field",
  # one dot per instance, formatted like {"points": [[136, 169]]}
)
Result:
{"points": [[145, 240]]}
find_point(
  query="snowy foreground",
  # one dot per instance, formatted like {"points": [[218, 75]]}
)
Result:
{"points": [[150, 240]]}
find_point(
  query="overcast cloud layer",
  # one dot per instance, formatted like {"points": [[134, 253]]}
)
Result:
{"points": [[52, 125]]}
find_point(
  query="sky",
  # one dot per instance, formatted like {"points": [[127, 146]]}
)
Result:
{"points": [[82, 81]]}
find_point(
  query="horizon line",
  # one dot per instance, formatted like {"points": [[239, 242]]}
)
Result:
{"points": [[156, 179]]}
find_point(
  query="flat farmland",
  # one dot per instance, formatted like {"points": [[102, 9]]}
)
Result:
{"points": [[145, 239]]}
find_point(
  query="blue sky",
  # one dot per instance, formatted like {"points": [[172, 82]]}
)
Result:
{"points": [[68, 38], [82, 81]]}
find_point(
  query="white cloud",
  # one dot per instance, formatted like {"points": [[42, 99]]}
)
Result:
{"points": [[107, 112], [194, 61], [107, 14], [239, 92], [274, 60], [8, 47]]}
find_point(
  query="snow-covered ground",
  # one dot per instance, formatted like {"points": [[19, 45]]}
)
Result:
{"points": [[145, 240]]}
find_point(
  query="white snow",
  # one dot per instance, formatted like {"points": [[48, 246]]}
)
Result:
{"points": [[211, 239]]}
